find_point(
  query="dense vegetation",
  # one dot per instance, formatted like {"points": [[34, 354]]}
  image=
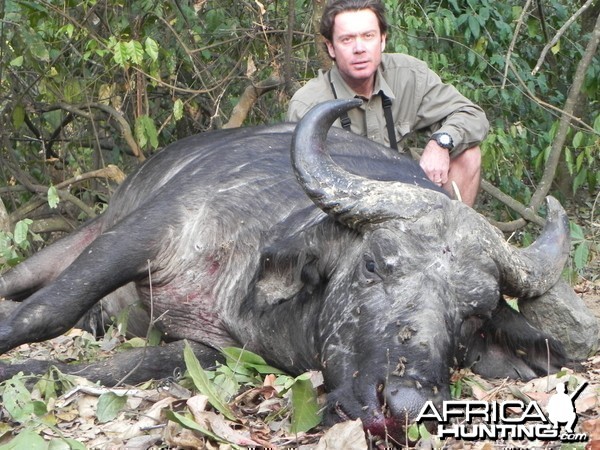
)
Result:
{"points": [[85, 85]]}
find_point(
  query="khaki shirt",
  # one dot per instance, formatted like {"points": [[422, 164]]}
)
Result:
{"points": [[420, 102]]}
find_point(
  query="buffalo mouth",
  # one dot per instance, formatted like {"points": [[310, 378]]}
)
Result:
{"points": [[386, 410]]}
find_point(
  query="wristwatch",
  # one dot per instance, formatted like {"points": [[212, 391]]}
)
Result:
{"points": [[444, 140]]}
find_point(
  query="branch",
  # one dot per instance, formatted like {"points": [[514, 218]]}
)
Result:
{"points": [[513, 42], [123, 124], [248, 98], [565, 120], [528, 213], [546, 105], [4, 218], [67, 196], [112, 172], [51, 225], [559, 34]]}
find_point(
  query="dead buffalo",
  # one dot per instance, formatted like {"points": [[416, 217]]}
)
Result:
{"points": [[353, 264]]}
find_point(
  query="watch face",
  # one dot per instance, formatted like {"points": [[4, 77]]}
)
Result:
{"points": [[445, 139]]}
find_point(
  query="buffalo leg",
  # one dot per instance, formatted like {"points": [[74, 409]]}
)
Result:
{"points": [[141, 364], [113, 259], [7, 307], [43, 267]]}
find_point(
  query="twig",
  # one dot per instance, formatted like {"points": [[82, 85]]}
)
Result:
{"points": [[116, 115], [565, 121], [111, 171], [548, 365], [548, 105], [100, 390], [559, 34], [513, 42], [144, 351]]}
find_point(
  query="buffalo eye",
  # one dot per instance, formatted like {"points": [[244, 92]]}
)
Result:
{"points": [[370, 271], [370, 266]]}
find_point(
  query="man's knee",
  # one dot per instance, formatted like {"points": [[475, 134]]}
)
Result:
{"points": [[469, 161]]}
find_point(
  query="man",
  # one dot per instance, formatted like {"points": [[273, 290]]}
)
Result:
{"points": [[355, 33]]}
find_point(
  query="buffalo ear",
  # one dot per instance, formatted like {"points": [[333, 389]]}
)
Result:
{"points": [[310, 274], [286, 273], [507, 345]]}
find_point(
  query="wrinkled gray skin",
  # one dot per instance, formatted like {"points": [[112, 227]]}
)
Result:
{"points": [[367, 272]]}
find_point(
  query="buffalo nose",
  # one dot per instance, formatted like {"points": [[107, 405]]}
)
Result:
{"points": [[405, 402]]}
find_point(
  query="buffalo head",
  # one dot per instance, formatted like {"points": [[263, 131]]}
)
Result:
{"points": [[420, 291]]}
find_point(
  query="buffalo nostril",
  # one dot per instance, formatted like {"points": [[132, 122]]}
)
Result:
{"points": [[404, 400]]}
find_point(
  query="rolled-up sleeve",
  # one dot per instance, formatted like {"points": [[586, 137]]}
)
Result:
{"points": [[443, 108]]}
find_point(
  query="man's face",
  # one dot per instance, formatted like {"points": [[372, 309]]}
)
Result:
{"points": [[356, 45]]}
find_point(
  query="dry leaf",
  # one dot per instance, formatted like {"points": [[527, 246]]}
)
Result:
{"points": [[344, 436], [221, 428], [197, 404]]}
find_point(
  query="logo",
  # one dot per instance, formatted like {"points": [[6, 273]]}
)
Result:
{"points": [[472, 420]]}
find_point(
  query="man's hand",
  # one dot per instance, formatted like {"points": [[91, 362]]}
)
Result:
{"points": [[435, 161]]}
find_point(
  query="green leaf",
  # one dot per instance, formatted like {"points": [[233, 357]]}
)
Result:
{"points": [[581, 256], [18, 402], [109, 406], [456, 389], [424, 432], [203, 384], [65, 444], [140, 132], [18, 115], [68, 29], [578, 139], [145, 131], [135, 52], [26, 439], [35, 44], [576, 232], [241, 357], [17, 62], [597, 123], [580, 179], [305, 409], [151, 48], [151, 132], [413, 433], [21, 232], [120, 54], [178, 109], [53, 198], [474, 26]]}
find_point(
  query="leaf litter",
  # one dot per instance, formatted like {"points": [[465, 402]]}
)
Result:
{"points": [[177, 414]]}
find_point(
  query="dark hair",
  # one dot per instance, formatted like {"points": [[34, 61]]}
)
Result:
{"points": [[334, 7]]}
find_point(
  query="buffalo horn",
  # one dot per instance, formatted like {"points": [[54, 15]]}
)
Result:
{"points": [[351, 199], [531, 271]]}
